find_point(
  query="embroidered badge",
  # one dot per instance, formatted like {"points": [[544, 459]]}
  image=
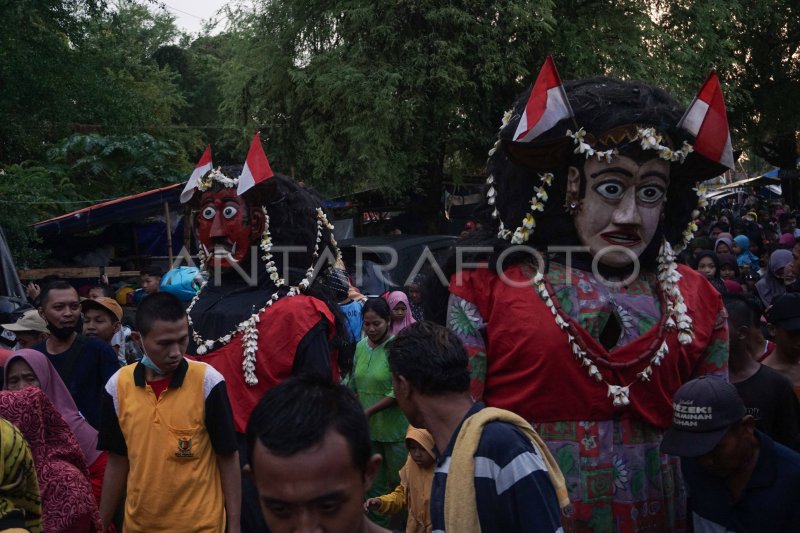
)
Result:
{"points": [[184, 448]]}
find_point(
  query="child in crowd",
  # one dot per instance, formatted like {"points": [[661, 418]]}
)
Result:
{"points": [[401, 316], [728, 268], [746, 260], [414, 491], [416, 296], [101, 290], [150, 279], [102, 318], [350, 302]]}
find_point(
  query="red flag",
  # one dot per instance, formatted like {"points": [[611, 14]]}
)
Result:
{"points": [[547, 104], [202, 166], [707, 120], [256, 167]]}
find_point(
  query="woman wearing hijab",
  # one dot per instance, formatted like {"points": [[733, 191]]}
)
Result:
{"points": [[723, 244], [786, 241], [20, 503], [68, 505], [744, 257], [401, 311], [26, 368], [772, 285]]}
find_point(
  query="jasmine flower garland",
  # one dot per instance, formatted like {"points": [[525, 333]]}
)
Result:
{"points": [[677, 318]]}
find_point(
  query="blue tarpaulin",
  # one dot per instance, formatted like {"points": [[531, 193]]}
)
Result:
{"points": [[133, 208]]}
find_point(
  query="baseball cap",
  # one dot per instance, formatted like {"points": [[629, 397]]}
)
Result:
{"points": [[104, 303], [29, 321], [785, 311], [703, 410]]}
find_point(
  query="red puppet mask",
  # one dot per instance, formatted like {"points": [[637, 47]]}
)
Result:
{"points": [[227, 227]]}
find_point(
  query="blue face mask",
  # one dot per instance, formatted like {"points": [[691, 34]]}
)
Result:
{"points": [[146, 361]]}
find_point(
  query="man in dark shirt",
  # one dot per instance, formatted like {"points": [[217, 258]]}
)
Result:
{"points": [[767, 394], [783, 323], [84, 364], [737, 478], [491, 468]]}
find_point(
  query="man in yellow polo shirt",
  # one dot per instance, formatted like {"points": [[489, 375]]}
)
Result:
{"points": [[168, 428]]}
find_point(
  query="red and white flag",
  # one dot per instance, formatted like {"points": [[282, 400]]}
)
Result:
{"points": [[256, 167], [547, 104], [707, 120], [202, 166]]}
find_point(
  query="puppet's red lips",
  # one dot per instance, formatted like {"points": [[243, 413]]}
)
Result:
{"points": [[618, 238]]}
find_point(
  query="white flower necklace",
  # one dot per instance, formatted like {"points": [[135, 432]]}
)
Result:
{"points": [[668, 276], [249, 327]]}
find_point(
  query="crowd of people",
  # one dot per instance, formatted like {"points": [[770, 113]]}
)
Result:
{"points": [[759, 263], [602, 359], [739, 254]]}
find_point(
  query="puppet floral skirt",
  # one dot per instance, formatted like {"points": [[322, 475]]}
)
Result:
{"points": [[617, 479]]}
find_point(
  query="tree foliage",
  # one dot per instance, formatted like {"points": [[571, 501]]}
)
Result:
{"points": [[87, 112], [396, 94], [28, 193]]}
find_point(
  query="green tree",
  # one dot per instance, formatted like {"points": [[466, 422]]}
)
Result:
{"points": [[28, 193], [124, 89], [38, 66], [118, 165], [87, 111], [390, 94], [200, 65], [755, 47], [68, 66]]}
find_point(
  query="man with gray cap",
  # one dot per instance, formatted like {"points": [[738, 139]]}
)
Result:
{"points": [[29, 329], [737, 478]]}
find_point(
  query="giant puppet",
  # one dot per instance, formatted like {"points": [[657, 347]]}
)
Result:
{"points": [[581, 320], [262, 314]]}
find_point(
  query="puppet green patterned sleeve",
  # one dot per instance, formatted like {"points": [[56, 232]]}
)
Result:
{"points": [[464, 319], [715, 358]]}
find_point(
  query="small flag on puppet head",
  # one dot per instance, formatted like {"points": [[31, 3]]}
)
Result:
{"points": [[547, 104], [707, 120], [256, 167], [202, 166]]}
